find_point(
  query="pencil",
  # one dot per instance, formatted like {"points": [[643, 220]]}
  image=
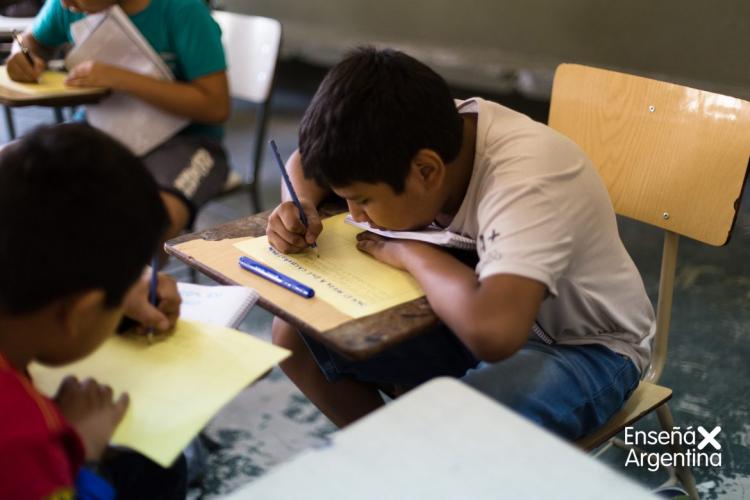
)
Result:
{"points": [[23, 47], [290, 188]]}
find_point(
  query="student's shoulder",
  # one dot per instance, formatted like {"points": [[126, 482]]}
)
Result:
{"points": [[54, 17], [508, 134]]}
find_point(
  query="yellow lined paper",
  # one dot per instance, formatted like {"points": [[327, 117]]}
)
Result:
{"points": [[349, 280], [50, 83], [175, 385]]}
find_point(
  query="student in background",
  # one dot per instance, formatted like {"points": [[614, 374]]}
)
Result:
{"points": [[79, 219], [191, 167], [554, 321]]}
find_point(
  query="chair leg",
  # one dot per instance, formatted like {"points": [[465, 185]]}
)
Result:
{"points": [[261, 122], [683, 472], [59, 116], [9, 123], [255, 196]]}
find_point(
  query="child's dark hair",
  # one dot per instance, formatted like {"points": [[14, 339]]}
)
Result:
{"points": [[371, 114], [78, 211]]}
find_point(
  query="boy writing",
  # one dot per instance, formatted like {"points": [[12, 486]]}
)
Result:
{"points": [[79, 219], [554, 320], [191, 167]]}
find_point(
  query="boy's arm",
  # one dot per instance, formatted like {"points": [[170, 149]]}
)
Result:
{"points": [[17, 64], [205, 99], [285, 229], [492, 317], [306, 189]]}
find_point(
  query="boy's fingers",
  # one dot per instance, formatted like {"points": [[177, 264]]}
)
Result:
{"points": [[290, 219], [106, 392], [22, 70], [366, 246], [121, 406], [38, 65], [314, 227], [68, 385], [282, 244], [142, 311], [291, 239], [169, 299], [70, 381]]}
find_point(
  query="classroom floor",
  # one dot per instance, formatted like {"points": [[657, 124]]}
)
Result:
{"points": [[709, 345]]}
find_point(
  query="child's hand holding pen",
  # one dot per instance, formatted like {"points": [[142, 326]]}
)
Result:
{"points": [[285, 229], [163, 316], [295, 225], [23, 65]]}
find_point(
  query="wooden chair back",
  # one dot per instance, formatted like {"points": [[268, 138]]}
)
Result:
{"points": [[670, 156]]}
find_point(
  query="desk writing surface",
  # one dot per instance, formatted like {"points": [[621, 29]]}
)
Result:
{"points": [[50, 91], [443, 440], [354, 283], [213, 252]]}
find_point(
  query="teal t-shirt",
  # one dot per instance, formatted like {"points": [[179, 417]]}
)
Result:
{"points": [[182, 32]]}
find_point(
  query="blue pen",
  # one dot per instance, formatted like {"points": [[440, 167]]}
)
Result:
{"points": [[152, 298], [289, 187], [274, 276]]}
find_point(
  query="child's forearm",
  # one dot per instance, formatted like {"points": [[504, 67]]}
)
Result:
{"points": [[188, 100], [492, 318], [306, 189], [36, 48]]}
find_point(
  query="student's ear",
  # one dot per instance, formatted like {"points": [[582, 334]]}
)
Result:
{"points": [[428, 169], [77, 312]]}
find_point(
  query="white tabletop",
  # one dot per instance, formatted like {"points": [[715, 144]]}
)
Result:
{"points": [[443, 440]]}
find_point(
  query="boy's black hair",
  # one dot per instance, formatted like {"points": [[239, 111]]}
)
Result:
{"points": [[371, 114], [78, 211]]}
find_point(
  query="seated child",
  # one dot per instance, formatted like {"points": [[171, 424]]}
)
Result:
{"points": [[554, 321], [191, 167], [79, 219]]}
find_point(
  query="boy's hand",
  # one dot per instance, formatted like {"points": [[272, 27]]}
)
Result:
{"points": [[20, 70], [95, 74], [285, 230], [161, 318], [393, 252], [90, 409]]}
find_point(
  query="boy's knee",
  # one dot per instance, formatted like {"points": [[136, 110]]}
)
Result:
{"points": [[179, 213]]}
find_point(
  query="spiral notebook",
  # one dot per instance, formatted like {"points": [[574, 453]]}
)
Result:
{"points": [[110, 37], [216, 305], [431, 234]]}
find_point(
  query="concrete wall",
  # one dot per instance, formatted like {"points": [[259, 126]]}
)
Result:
{"points": [[704, 43]]}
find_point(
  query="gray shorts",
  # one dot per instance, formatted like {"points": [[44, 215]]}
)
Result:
{"points": [[192, 167]]}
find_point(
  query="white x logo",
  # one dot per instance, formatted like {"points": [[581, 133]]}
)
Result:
{"points": [[709, 437]]}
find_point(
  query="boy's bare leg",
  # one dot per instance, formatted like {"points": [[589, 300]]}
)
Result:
{"points": [[179, 215], [342, 402]]}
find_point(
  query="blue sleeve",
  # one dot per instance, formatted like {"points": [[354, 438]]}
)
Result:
{"points": [[197, 41], [52, 24], [91, 486]]}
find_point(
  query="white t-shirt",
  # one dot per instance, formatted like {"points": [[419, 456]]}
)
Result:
{"points": [[538, 209]]}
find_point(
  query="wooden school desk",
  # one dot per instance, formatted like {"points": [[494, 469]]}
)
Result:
{"points": [[443, 440], [10, 98], [212, 252]]}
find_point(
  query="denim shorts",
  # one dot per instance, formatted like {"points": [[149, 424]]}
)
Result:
{"points": [[567, 389]]}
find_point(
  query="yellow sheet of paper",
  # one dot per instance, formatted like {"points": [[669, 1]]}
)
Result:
{"points": [[175, 385], [50, 83], [349, 280]]}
